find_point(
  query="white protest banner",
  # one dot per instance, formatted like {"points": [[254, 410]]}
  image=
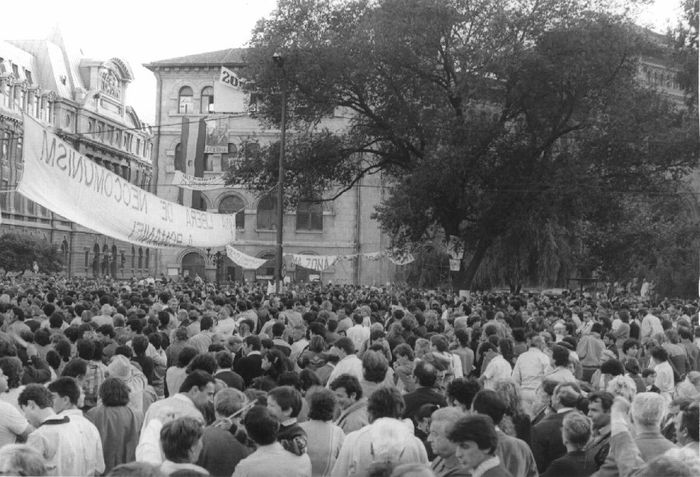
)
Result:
{"points": [[185, 181], [229, 96], [229, 78], [244, 261], [314, 262], [400, 257], [59, 178]]}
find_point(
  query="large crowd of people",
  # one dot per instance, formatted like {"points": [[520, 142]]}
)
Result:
{"points": [[158, 378]]}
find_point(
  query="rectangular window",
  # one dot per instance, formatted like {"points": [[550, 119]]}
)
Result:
{"points": [[4, 187], [17, 203], [185, 105], [28, 76], [208, 162], [5, 91]]}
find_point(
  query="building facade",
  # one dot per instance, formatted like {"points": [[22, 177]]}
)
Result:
{"points": [[84, 102], [186, 107]]}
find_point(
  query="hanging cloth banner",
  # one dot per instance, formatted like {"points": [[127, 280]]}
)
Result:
{"points": [[244, 261], [185, 181], [314, 262], [399, 257], [59, 178]]}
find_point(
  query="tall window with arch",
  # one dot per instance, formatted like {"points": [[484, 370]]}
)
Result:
{"points": [[184, 100], [267, 213], [64, 253], [140, 258], [309, 216], [148, 258], [207, 100], [113, 262], [96, 260], [233, 204], [133, 258]]}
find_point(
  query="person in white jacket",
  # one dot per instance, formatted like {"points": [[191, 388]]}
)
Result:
{"points": [[386, 441]]}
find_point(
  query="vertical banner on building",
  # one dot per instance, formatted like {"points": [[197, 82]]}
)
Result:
{"points": [[216, 136], [200, 149], [229, 96], [59, 178]]}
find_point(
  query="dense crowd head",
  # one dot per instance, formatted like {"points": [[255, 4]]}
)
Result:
{"points": [[195, 377]]}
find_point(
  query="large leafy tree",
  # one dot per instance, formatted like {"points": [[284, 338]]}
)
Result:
{"points": [[19, 252], [492, 121]]}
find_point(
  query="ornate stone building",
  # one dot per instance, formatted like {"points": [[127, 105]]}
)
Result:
{"points": [[188, 103], [84, 102]]}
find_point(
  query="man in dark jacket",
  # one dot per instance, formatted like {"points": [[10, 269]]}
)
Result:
{"points": [[221, 451], [547, 443], [250, 366], [575, 463], [426, 376]]}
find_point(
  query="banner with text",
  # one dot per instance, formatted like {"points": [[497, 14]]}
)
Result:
{"points": [[59, 178], [229, 96], [244, 261], [314, 262], [185, 181]]}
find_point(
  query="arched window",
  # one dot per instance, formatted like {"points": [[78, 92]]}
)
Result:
{"points": [[113, 263], [309, 216], [193, 265], [133, 258], [199, 202], [96, 260], [140, 258], [207, 101], [105, 260], [267, 213], [228, 159], [179, 158], [184, 100], [148, 258], [87, 258], [234, 205]]}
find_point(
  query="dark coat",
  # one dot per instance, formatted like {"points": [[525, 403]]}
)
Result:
{"points": [[250, 367], [572, 464], [221, 452], [547, 444], [414, 400]]}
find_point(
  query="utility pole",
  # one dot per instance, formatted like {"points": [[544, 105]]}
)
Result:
{"points": [[279, 61]]}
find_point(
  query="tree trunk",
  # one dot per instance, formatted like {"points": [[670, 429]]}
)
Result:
{"points": [[463, 279]]}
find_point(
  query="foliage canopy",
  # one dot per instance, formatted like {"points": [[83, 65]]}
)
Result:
{"points": [[513, 125]]}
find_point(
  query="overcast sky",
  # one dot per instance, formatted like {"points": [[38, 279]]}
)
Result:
{"points": [[141, 31]]}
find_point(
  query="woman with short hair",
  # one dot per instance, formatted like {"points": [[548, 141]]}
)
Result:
{"points": [[181, 441], [118, 423], [324, 439]]}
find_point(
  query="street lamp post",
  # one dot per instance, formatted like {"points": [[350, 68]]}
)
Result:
{"points": [[279, 61]]}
